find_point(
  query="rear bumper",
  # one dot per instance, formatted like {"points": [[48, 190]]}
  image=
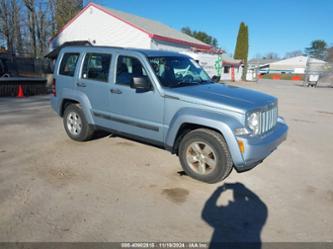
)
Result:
{"points": [[55, 104], [258, 148]]}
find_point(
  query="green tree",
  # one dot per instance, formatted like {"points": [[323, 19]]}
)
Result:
{"points": [[201, 36], [10, 29], [187, 30], [318, 49], [242, 46], [66, 10]]}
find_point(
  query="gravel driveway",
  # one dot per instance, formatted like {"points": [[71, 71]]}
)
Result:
{"points": [[114, 189]]}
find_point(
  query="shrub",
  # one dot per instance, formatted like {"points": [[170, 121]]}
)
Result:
{"points": [[283, 76]]}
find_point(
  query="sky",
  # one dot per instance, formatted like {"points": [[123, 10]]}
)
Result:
{"points": [[278, 26]]}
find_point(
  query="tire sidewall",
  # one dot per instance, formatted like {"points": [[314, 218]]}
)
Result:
{"points": [[200, 136]]}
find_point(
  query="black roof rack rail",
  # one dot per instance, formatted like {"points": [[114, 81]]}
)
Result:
{"points": [[54, 53]]}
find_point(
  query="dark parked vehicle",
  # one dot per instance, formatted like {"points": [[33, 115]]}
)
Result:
{"points": [[3, 68], [29, 73]]}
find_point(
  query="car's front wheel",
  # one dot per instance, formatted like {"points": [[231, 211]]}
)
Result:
{"points": [[204, 155], [75, 123]]}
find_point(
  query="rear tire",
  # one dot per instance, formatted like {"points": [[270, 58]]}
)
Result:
{"points": [[204, 155], [75, 123]]}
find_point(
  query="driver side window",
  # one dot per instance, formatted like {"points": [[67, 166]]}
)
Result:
{"points": [[164, 70], [127, 69]]}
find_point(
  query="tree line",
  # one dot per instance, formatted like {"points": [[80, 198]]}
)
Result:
{"points": [[242, 44], [201, 36], [318, 49], [27, 25]]}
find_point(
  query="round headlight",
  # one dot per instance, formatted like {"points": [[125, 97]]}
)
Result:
{"points": [[253, 122]]}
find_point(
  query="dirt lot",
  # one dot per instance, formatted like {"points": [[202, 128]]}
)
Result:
{"points": [[113, 189]]}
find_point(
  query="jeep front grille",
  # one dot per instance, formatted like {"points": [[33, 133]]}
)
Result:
{"points": [[268, 119]]}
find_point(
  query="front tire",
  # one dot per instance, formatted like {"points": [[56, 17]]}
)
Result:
{"points": [[204, 155], [75, 123]]}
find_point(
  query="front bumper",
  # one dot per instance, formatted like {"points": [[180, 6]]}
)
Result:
{"points": [[258, 148]]}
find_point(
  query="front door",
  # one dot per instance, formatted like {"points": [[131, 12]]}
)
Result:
{"points": [[135, 112]]}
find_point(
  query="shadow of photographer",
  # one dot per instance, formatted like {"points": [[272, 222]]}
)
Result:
{"points": [[239, 223]]}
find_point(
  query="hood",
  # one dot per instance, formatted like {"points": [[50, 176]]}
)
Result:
{"points": [[222, 96]]}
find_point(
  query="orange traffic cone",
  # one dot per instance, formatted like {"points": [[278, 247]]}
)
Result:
{"points": [[20, 93]]}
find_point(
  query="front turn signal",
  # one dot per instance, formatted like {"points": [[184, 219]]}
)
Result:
{"points": [[241, 146]]}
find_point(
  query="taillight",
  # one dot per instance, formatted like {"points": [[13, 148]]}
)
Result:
{"points": [[54, 93]]}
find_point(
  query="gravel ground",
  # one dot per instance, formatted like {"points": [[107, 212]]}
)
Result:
{"points": [[114, 189]]}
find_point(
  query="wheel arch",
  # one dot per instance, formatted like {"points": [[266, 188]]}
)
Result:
{"points": [[188, 120], [65, 103], [75, 97], [186, 128]]}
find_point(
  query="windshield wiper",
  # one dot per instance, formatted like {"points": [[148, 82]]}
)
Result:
{"points": [[203, 81], [183, 83]]}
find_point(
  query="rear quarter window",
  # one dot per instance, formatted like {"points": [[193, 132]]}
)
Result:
{"points": [[68, 64]]}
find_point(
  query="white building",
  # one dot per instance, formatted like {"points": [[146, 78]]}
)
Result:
{"points": [[232, 69], [220, 65], [108, 27], [256, 67], [295, 65], [102, 26]]}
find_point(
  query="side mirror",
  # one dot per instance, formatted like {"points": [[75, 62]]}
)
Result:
{"points": [[216, 78], [141, 83]]}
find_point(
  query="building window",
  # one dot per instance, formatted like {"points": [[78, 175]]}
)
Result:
{"points": [[68, 64], [96, 67], [226, 69]]}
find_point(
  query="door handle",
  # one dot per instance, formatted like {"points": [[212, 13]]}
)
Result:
{"points": [[115, 91], [80, 84]]}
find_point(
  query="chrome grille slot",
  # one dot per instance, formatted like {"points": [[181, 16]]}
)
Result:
{"points": [[268, 119]]}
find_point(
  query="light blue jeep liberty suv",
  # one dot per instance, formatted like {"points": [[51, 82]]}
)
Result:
{"points": [[165, 99]]}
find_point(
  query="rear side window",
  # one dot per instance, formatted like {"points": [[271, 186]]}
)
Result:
{"points": [[68, 64], [96, 66]]}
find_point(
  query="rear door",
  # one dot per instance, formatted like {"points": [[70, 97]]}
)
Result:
{"points": [[67, 71], [94, 82]]}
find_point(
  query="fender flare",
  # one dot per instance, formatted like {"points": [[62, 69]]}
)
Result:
{"points": [[224, 123], [70, 94]]}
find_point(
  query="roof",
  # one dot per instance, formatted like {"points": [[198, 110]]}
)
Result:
{"points": [[295, 62], [153, 29], [227, 60], [317, 61], [298, 60], [259, 62]]}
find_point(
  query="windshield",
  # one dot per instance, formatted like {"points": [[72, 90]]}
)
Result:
{"points": [[173, 71]]}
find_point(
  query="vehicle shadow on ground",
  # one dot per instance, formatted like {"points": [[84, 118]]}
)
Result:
{"points": [[99, 134], [239, 223]]}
